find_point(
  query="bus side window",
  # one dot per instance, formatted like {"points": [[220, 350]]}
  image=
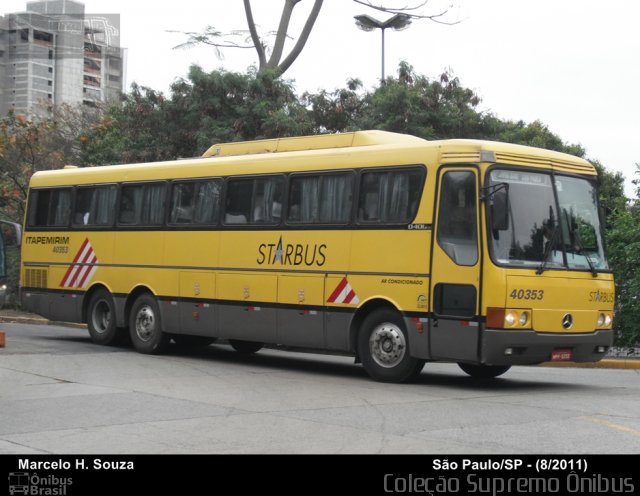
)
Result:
{"points": [[254, 201], [207, 203], [238, 202], [142, 204], [266, 205], [95, 206], [389, 197], [321, 199], [182, 203], [50, 208], [130, 203], [195, 202]]}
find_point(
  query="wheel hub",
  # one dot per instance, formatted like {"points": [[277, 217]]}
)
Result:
{"points": [[145, 323], [387, 344], [101, 317]]}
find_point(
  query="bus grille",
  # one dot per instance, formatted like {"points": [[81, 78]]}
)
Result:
{"points": [[35, 278]]}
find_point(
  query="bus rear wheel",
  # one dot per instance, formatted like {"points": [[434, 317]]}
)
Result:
{"points": [[383, 348], [483, 371], [145, 326], [245, 347], [101, 319]]}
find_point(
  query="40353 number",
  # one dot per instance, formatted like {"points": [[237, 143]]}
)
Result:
{"points": [[527, 294]]}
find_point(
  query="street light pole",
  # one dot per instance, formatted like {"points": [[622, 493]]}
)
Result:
{"points": [[382, 31], [398, 22]]}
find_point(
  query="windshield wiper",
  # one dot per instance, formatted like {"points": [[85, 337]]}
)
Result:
{"points": [[580, 251], [594, 272], [579, 247], [547, 250]]}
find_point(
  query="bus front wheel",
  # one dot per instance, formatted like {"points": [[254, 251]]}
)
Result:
{"points": [[145, 326], [483, 371], [383, 348], [101, 320]]}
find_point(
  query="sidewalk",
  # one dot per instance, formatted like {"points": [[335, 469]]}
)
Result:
{"points": [[20, 317], [610, 362]]}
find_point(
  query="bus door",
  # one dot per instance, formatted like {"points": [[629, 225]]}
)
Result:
{"points": [[455, 267]]}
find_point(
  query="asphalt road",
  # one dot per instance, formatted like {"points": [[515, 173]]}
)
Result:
{"points": [[59, 393]]}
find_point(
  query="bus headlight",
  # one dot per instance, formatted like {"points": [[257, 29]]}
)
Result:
{"points": [[508, 318], [604, 320]]}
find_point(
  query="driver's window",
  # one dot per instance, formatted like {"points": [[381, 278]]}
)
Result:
{"points": [[457, 222]]}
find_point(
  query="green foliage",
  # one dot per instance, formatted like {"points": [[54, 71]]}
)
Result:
{"points": [[623, 243], [337, 111], [204, 109], [611, 192], [532, 134], [25, 147], [413, 104]]}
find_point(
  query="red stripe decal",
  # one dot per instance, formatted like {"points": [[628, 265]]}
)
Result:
{"points": [[87, 256], [75, 260], [338, 290], [92, 262], [350, 296]]}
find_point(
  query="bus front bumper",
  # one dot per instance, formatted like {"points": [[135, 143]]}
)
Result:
{"points": [[522, 347]]}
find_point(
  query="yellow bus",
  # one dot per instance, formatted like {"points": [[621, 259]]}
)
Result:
{"points": [[384, 246]]}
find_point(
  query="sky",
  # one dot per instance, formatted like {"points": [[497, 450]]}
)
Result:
{"points": [[572, 64]]}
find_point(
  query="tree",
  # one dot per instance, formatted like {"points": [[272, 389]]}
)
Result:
{"points": [[623, 242], [336, 111], [26, 146], [414, 104], [276, 62], [202, 109]]}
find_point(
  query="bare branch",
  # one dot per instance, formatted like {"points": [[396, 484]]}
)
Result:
{"points": [[210, 37], [409, 11], [406, 8]]}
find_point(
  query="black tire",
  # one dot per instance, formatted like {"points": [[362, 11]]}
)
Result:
{"points": [[383, 348], [483, 371], [187, 340], [101, 319], [145, 326], [245, 347]]}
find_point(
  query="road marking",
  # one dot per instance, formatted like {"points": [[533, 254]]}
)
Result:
{"points": [[612, 425]]}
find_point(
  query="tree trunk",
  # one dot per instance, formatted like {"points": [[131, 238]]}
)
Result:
{"points": [[274, 62]]}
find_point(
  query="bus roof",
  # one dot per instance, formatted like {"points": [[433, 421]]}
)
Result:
{"points": [[382, 146], [452, 151], [318, 142]]}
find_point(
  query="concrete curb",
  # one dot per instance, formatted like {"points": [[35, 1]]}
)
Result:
{"points": [[23, 320], [606, 363], [38, 321]]}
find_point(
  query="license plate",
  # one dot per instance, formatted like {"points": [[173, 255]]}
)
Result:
{"points": [[561, 355]]}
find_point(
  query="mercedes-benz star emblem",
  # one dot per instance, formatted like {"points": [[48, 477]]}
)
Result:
{"points": [[567, 321]]}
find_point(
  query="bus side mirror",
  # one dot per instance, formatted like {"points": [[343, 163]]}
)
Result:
{"points": [[500, 210], [11, 233]]}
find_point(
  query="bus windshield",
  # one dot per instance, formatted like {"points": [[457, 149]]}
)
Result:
{"points": [[553, 222]]}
